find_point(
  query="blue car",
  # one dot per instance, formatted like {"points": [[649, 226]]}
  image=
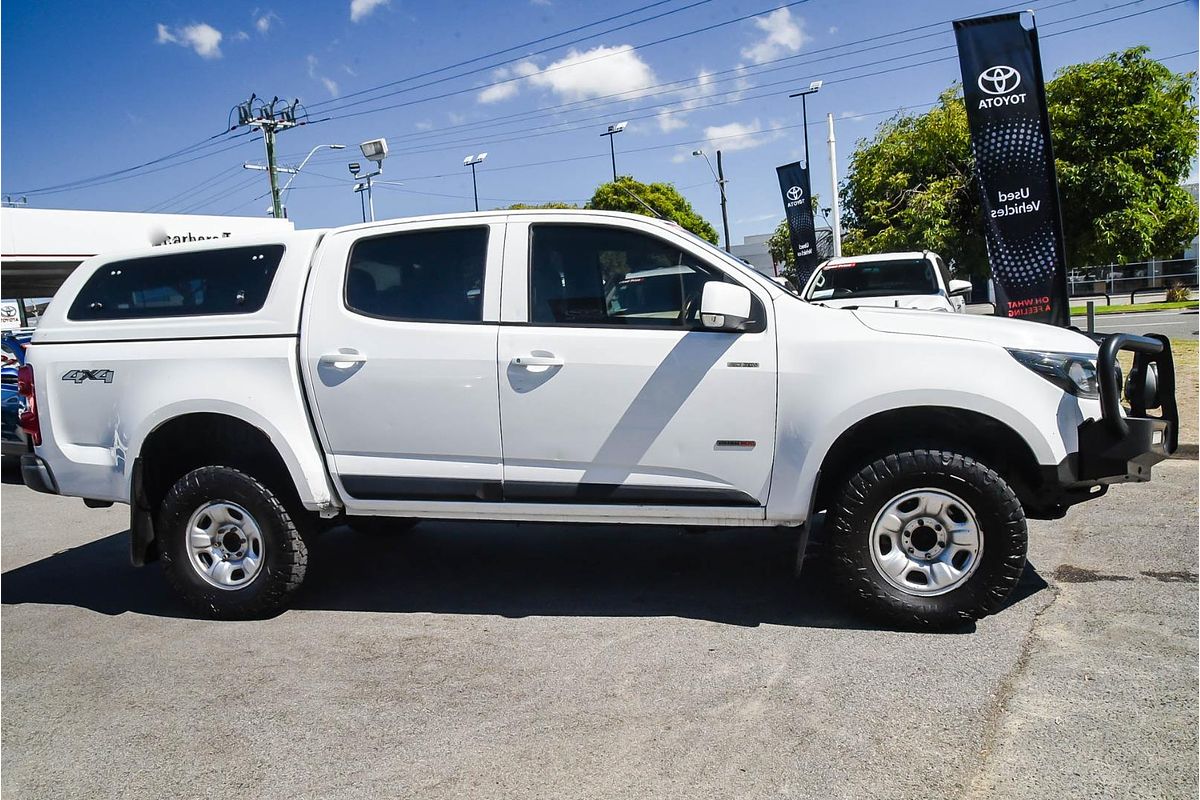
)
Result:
{"points": [[14, 440]]}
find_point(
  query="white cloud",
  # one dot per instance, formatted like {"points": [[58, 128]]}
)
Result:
{"points": [[360, 9], [595, 73], [456, 119], [201, 37], [349, 70], [784, 35], [833, 29], [668, 122], [424, 125], [740, 136], [503, 89], [263, 20], [329, 84]]}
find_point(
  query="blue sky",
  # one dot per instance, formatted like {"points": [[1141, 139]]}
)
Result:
{"points": [[92, 87]]}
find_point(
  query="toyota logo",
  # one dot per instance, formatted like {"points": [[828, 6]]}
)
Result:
{"points": [[999, 80], [795, 193]]}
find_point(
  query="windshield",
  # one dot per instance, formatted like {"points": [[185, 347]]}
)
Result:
{"points": [[873, 279]]}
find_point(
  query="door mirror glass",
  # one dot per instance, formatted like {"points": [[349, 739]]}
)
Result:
{"points": [[960, 288], [724, 306]]}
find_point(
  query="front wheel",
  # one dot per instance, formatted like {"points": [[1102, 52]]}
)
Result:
{"points": [[228, 545], [928, 538]]}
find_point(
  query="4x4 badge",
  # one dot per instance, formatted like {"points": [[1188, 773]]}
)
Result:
{"points": [[81, 375]]}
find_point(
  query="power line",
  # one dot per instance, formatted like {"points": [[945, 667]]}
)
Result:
{"points": [[69, 184], [737, 96], [737, 74], [523, 45], [573, 64]]}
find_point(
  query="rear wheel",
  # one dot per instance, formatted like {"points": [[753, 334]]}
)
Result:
{"points": [[229, 547], [928, 538]]}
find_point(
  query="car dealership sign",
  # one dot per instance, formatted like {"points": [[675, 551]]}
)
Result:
{"points": [[1010, 136], [797, 207]]}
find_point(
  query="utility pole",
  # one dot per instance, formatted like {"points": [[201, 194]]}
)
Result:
{"points": [[724, 209], [833, 181], [270, 121]]}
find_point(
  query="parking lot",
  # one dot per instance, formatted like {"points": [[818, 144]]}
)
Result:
{"points": [[535, 661]]}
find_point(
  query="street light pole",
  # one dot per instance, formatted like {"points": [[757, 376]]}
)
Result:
{"points": [[612, 131], [719, 177], [813, 88], [471, 161], [283, 193]]}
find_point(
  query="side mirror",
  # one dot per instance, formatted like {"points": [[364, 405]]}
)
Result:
{"points": [[724, 306], [960, 288]]}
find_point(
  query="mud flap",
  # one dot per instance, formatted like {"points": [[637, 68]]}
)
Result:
{"points": [[142, 547]]}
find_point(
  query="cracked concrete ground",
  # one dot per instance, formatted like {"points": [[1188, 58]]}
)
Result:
{"points": [[535, 661]]}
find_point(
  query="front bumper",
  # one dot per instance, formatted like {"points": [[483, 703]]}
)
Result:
{"points": [[1119, 447]]}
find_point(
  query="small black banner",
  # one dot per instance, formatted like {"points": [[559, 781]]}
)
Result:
{"points": [[797, 206], [1005, 97]]}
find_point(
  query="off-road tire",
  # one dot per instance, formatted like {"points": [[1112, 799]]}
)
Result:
{"points": [[1001, 523], [286, 553]]}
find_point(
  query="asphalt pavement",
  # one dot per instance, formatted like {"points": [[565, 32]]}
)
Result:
{"points": [[473, 660], [1175, 324]]}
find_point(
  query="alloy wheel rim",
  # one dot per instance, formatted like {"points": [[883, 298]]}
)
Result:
{"points": [[926, 542], [225, 545]]}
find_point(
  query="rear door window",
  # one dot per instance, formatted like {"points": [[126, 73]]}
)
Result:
{"points": [[419, 276], [228, 281]]}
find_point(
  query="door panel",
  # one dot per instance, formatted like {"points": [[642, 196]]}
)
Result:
{"points": [[407, 409], [642, 410]]}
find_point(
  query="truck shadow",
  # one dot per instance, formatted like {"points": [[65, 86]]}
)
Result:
{"points": [[737, 577]]}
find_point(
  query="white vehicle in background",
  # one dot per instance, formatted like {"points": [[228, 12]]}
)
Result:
{"points": [[563, 366], [919, 280]]}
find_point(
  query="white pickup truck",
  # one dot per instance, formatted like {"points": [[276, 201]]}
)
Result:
{"points": [[565, 366], [919, 280]]}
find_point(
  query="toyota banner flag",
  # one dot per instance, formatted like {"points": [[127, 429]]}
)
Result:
{"points": [[797, 205], [1010, 137]]}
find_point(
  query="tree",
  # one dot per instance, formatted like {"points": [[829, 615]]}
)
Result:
{"points": [[551, 204], [664, 198], [1124, 133], [912, 187], [1129, 136]]}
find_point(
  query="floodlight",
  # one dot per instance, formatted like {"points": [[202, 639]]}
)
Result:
{"points": [[355, 167], [374, 149], [620, 126], [814, 86]]}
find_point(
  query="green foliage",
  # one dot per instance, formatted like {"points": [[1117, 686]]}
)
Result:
{"points": [[1124, 133], [662, 197], [520, 206], [912, 187], [780, 247], [1178, 293]]}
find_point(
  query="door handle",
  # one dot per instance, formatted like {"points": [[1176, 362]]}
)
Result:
{"points": [[537, 361], [343, 360]]}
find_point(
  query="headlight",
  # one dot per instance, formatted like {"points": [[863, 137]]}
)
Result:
{"points": [[1072, 372]]}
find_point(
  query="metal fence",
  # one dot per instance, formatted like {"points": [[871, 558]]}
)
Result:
{"points": [[1130, 280]]}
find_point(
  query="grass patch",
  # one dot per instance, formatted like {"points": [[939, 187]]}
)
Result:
{"points": [[1080, 311]]}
